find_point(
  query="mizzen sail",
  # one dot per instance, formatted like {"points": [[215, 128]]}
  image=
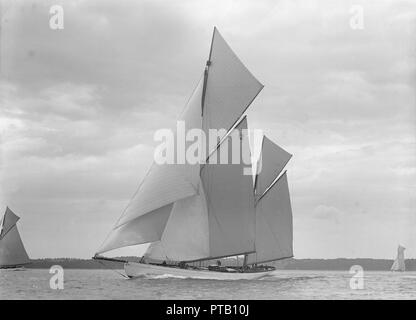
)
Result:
{"points": [[274, 235]]}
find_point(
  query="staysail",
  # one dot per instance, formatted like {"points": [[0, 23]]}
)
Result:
{"points": [[186, 236], [399, 264], [143, 229], [12, 250]]}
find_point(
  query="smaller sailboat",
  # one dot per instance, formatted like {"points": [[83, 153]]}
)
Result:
{"points": [[13, 254], [398, 264]]}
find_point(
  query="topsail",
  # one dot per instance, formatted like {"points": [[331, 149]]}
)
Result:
{"points": [[230, 87], [12, 250]]}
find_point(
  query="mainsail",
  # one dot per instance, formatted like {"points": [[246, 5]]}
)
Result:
{"points": [[398, 264], [230, 199], [12, 250], [197, 211]]}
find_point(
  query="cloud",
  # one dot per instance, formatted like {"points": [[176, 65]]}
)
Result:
{"points": [[79, 108], [327, 213]]}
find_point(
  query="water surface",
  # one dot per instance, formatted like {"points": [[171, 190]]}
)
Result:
{"points": [[282, 284]]}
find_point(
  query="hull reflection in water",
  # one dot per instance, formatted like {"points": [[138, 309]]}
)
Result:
{"points": [[134, 270], [18, 268]]}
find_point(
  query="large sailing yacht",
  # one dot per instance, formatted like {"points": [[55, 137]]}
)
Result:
{"points": [[203, 211]]}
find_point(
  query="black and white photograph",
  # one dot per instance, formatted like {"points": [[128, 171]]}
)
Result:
{"points": [[207, 150]]}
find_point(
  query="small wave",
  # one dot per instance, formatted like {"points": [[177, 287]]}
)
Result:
{"points": [[274, 277]]}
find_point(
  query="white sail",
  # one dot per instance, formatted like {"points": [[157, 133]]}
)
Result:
{"points": [[230, 201], [167, 183], [274, 236], [230, 87], [192, 119], [399, 264], [143, 229], [8, 221], [186, 236], [273, 160], [163, 185], [194, 212], [12, 250]]}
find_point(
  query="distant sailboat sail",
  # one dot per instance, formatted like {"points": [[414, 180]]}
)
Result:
{"points": [[201, 211], [12, 250], [398, 264]]}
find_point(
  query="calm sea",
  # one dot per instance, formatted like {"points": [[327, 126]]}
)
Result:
{"points": [[283, 284]]}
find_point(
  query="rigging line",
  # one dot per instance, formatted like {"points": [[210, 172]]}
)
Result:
{"points": [[271, 260], [108, 268]]}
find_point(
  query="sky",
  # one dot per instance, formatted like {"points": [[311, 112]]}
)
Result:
{"points": [[79, 106]]}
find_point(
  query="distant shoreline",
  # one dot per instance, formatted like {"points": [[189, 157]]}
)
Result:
{"points": [[292, 264]]}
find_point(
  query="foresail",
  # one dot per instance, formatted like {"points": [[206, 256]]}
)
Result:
{"points": [[274, 236], [163, 185], [272, 161], [230, 87], [186, 236], [167, 183], [143, 229], [230, 199], [12, 250]]}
